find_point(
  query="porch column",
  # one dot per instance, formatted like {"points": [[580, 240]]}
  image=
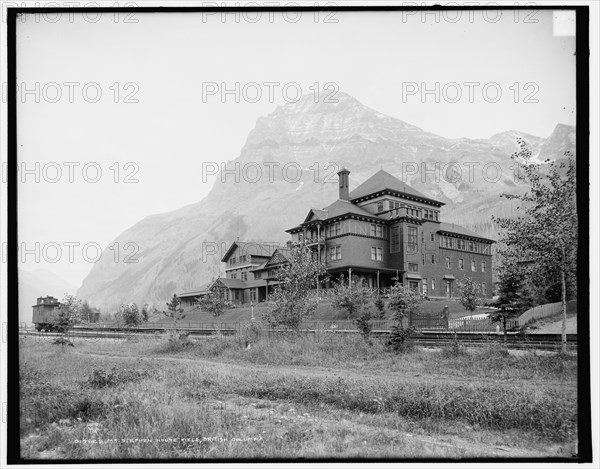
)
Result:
{"points": [[350, 276], [318, 255], [377, 280], [267, 291]]}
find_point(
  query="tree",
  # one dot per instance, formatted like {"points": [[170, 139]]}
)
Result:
{"points": [[470, 293], [175, 311], [131, 315], [545, 233], [291, 302], [87, 313], [68, 314], [380, 305], [364, 326], [403, 302], [351, 298], [513, 295], [213, 302], [145, 312]]}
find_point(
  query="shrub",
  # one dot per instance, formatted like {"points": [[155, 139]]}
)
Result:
{"points": [[364, 325], [380, 305], [454, 349], [401, 338], [104, 379]]}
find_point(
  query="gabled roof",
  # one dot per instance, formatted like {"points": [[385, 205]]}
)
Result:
{"points": [[342, 207], [315, 214], [383, 180], [202, 290], [280, 256], [461, 230], [336, 209], [254, 249]]}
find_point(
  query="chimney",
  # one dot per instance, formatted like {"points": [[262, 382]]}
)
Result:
{"points": [[344, 184]]}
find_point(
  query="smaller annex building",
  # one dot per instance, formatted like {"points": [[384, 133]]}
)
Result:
{"points": [[250, 274]]}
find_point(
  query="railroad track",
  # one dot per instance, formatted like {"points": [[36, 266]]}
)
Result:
{"points": [[433, 339]]}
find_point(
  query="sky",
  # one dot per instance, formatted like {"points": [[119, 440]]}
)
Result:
{"points": [[116, 117]]}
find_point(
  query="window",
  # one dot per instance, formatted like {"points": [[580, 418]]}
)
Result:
{"points": [[376, 254], [244, 276], [484, 288], [461, 264], [253, 294], [257, 275], [335, 253], [233, 275], [447, 262], [423, 259], [436, 215], [432, 284], [433, 258], [473, 267], [379, 207], [413, 267], [432, 237], [425, 287], [413, 244], [376, 230], [237, 294], [483, 266], [395, 239], [446, 242], [243, 258]]}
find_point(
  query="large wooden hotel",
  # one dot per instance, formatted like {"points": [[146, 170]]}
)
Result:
{"points": [[382, 230]]}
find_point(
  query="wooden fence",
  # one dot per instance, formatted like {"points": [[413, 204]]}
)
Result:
{"points": [[543, 311]]}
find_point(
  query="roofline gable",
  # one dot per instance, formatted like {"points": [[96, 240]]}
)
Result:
{"points": [[229, 251]]}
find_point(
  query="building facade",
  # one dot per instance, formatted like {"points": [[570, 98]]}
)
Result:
{"points": [[381, 231], [385, 229], [245, 281]]}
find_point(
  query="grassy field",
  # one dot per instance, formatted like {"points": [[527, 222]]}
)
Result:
{"points": [[291, 397]]}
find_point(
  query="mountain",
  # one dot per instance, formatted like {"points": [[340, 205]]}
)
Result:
{"points": [[310, 142], [562, 139], [38, 283]]}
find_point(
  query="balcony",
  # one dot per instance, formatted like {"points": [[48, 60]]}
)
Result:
{"points": [[316, 240]]}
